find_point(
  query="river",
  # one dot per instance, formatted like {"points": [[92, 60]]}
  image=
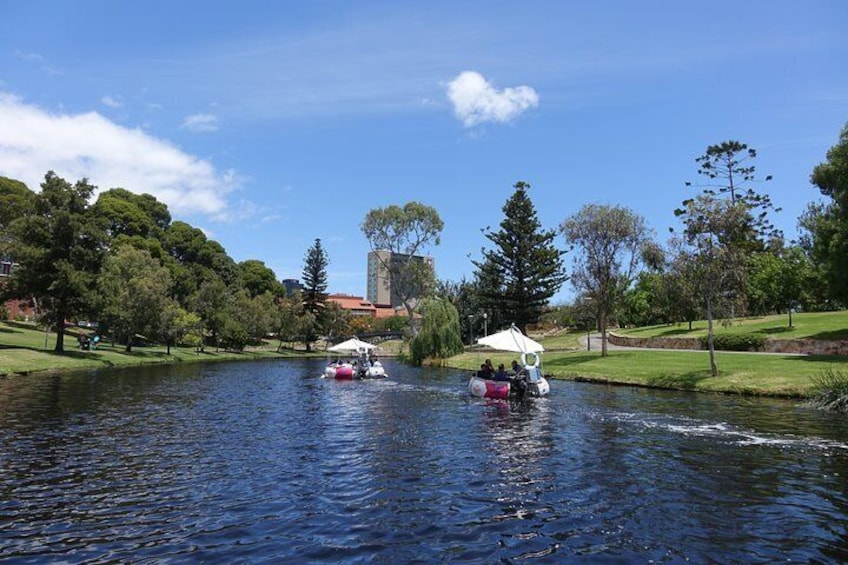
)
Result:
{"points": [[265, 462]]}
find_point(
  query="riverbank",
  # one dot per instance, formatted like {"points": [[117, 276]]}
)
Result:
{"points": [[25, 349], [789, 376]]}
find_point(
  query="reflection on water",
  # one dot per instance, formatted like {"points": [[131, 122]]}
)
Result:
{"points": [[265, 462]]}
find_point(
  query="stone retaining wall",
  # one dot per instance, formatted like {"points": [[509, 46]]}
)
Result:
{"points": [[804, 346]]}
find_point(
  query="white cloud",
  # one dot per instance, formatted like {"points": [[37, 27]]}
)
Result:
{"points": [[75, 146], [111, 102], [202, 123], [476, 101]]}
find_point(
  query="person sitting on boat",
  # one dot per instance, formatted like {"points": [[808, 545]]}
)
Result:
{"points": [[484, 372], [516, 368], [501, 374]]}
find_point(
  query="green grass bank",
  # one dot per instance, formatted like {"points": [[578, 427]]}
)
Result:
{"points": [[26, 349], [792, 376]]}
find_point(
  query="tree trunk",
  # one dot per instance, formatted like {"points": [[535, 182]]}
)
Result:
{"points": [[60, 332], [603, 318], [711, 345]]}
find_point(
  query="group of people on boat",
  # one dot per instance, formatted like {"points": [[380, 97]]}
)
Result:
{"points": [[487, 371]]}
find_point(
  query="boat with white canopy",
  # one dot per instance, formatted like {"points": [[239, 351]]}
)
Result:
{"points": [[360, 363], [525, 379]]}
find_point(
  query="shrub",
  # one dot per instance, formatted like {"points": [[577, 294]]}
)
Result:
{"points": [[736, 342], [831, 391]]}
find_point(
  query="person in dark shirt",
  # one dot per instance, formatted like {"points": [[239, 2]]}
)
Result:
{"points": [[501, 374]]}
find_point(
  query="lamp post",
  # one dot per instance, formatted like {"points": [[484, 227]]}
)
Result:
{"points": [[485, 325], [470, 330]]}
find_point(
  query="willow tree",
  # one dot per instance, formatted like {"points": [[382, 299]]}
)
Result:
{"points": [[439, 337], [609, 242], [524, 270]]}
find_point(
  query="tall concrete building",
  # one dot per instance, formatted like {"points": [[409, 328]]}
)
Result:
{"points": [[379, 288]]}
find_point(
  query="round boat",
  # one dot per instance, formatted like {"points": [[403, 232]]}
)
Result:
{"points": [[526, 380], [529, 383], [339, 371]]}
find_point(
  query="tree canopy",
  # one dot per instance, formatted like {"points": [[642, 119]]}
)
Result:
{"points": [[524, 269], [405, 232], [610, 240]]}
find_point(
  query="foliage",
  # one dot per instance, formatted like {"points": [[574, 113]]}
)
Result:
{"points": [[337, 320], [729, 168], [314, 291], [59, 249], [826, 224], [16, 201], [130, 214], [211, 303], [439, 336], [391, 324], [831, 391], [234, 336], [736, 342], [258, 279], [524, 269], [405, 233], [610, 239], [133, 289]]}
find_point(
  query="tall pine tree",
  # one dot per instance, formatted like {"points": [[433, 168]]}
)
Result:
{"points": [[523, 271], [314, 291]]}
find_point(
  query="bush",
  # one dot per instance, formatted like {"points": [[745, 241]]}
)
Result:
{"points": [[831, 391], [735, 342]]}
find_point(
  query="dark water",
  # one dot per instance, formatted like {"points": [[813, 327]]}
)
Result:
{"points": [[264, 462]]}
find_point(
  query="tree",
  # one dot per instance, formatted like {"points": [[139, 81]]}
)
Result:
{"points": [[718, 266], [524, 270], [439, 337], [730, 171], [725, 223], [130, 214], [16, 201], [257, 279], [59, 249], [610, 239], [405, 233], [314, 291], [212, 304], [179, 326], [826, 223], [134, 289]]}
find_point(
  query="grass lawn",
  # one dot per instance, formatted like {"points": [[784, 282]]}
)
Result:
{"points": [[743, 373], [812, 325], [24, 348]]}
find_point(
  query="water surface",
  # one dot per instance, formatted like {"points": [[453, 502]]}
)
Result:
{"points": [[266, 462]]}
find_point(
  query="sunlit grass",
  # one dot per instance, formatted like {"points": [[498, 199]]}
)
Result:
{"points": [[814, 325], [746, 373], [25, 348]]}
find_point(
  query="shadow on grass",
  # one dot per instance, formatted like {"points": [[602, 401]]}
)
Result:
{"points": [[838, 359], [831, 335], [776, 330], [686, 381]]}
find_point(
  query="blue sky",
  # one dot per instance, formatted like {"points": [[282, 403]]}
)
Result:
{"points": [[268, 124]]}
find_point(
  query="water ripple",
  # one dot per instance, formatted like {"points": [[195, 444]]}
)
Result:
{"points": [[263, 462]]}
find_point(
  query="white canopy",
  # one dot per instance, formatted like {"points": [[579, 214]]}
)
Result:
{"points": [[511, 340], [353, 344]]}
